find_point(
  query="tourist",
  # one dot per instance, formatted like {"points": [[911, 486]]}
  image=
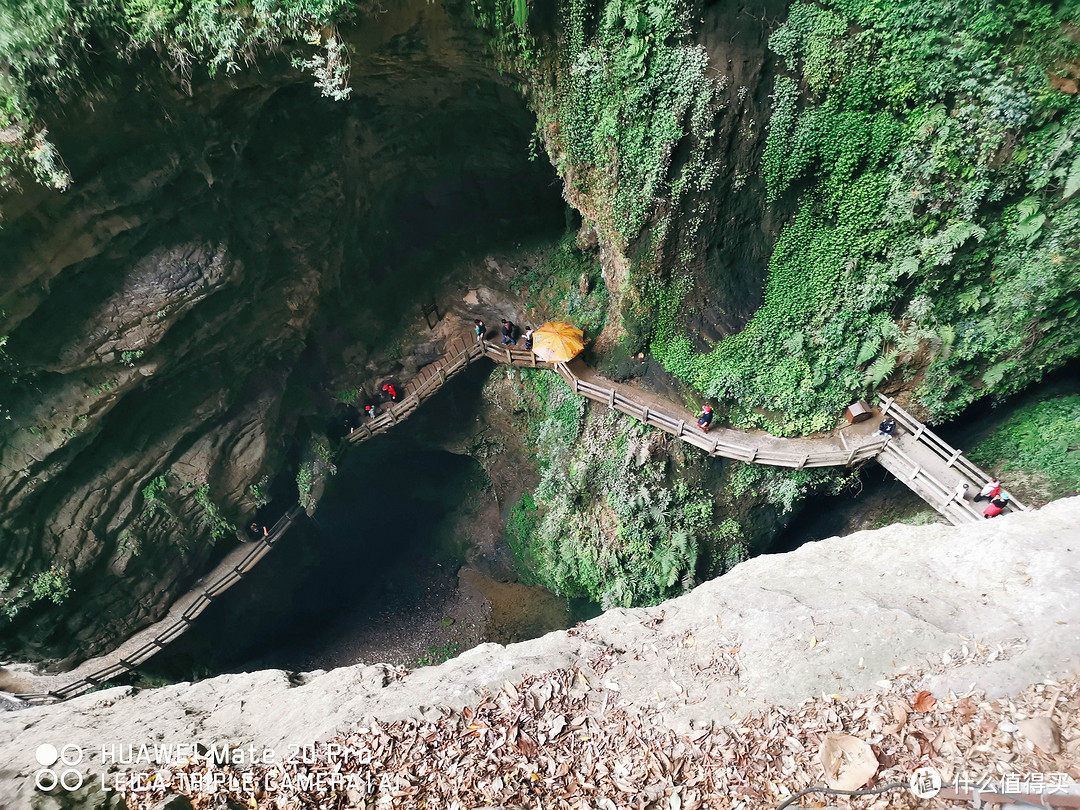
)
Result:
{"points": [[389, 390], [479, 330], [961, 491], [255, 532], [508, 333], [990, 490], [887, 428], [705, 420], [528, 340], [371, 410], [997, 505]]}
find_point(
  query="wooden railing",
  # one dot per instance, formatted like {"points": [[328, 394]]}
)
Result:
{"points": [[715, 445], [460, 356], [173, 631], [952, 457]]}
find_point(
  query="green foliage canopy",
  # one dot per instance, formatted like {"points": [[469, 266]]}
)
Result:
{"points": [[45, 44], [935, 167]]}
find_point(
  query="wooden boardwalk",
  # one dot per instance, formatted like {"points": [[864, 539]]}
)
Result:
{"points": [[915, 455]]}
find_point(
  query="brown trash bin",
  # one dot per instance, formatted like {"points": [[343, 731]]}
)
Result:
{"points": [[858, 412]]}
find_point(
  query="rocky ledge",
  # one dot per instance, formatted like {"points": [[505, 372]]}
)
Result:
{"points": [[942, 609]]}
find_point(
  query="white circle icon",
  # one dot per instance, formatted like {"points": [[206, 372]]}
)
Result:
{"points": [[70, 754], [925, 783], [46, 754]]}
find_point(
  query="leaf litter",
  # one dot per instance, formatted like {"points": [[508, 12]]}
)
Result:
{"points": [[551, 741]]}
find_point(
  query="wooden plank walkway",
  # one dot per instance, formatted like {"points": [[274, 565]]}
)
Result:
{"points": [[915, 455], [932, 468], [142, 646]]}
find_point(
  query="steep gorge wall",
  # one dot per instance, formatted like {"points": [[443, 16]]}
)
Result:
{"points": [[220, 257]]}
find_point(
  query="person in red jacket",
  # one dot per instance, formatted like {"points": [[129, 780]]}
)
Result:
{"points": [[705, 420], [390, 391], [997, 504]]}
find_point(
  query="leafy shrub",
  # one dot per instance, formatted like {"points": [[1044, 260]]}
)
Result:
{"points": [[53, 584], [212, 517], [606, 520], [1041, 439]]}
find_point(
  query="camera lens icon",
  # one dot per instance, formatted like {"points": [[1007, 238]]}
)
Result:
{"points": [[47, 778]]}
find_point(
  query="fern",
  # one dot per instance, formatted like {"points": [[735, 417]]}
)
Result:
{"points": [[947, 335], [1072, 182], [881, 369], [521, 13], [997, 372]]}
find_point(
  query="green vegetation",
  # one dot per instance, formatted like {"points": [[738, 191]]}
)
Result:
{"points": [[153, 497], [628, 91], [212, 518], [53, 585], [610, 519], [437, 655], [348, 395], [129, 358], [304, 479], [105, 387], [566, 285], [936, 165], [783, 487], [43, 47], [258, 492], [1040, 445], [129, 542]]}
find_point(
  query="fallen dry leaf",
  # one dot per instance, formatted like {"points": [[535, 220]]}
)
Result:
{"points": [[1043, 732], [848, 761], [965, 708], [923, 701]]}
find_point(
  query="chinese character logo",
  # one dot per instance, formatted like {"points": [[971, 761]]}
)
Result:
{"points": [[925, 783], [47, 777]]}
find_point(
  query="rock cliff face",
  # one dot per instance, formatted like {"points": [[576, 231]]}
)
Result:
{"points": [[991, 605], [222, 255]]}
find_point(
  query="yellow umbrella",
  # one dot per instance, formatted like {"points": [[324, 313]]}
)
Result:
{"points": [[558, 342]]}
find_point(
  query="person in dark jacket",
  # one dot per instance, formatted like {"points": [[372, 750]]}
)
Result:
{"points": [[997, 505], [508, 333], [528, 340], [887, 428], [479, 330]]}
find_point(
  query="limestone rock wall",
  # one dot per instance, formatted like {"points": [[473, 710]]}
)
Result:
{"points": [[228, 248]]}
